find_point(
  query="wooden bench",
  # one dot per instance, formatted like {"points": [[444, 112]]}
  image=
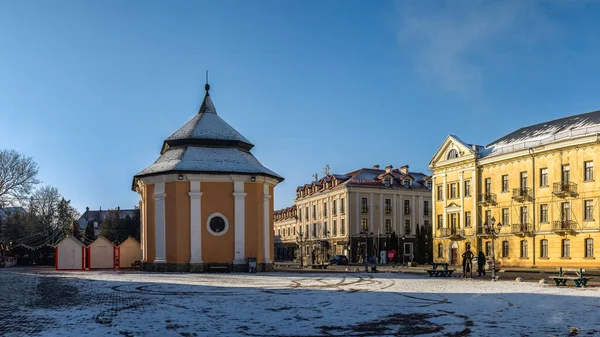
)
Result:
{"points": [[444, 272], [561, 280], [136, 265]]}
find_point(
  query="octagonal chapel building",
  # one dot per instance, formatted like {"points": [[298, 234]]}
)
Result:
{"points": [[207, 202]]}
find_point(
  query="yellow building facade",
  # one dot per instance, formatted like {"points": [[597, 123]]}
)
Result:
{"points": [[207, 202], [538, 182]]}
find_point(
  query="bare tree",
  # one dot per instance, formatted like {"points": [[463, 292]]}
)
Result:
{"points": [[45, 202], [17, 176]]}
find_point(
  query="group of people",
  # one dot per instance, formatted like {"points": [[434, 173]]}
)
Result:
{"points": [[467, 264]]}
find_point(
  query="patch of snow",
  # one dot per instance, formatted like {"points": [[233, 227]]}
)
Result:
{"points": [[112, 303]]}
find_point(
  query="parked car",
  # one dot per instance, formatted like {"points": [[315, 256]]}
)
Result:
{"points": [[338, 260]]}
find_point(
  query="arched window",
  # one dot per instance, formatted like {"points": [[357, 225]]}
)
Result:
{"points": [[452, 154], [440, 250]]}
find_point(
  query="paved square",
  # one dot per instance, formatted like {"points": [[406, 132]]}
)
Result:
{"points": [[44, 302]]}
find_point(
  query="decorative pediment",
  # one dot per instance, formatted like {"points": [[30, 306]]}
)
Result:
{"points": [[451, 149], [452, 207]]}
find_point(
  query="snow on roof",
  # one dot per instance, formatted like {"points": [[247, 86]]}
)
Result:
{"points": [[206, 144], [207, 160], [547, 132], [208, 126]]}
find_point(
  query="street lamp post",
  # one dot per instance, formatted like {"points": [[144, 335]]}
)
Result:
{"points": [[490, 229], [403, 251], [300, 241], [366, 235], [326, 235]]}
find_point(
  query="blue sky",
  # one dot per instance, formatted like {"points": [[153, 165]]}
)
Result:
{"points": [[91, 89]]}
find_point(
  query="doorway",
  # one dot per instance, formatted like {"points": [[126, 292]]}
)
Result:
{"points": [[454, 254]]}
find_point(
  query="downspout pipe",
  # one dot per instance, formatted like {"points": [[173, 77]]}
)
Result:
{"points": [[532, 154]]}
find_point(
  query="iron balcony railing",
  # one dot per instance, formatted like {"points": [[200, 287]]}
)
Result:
{"points": [[452, 232], [565, 188], [522, 194], [522, 228], [487, 198], [563, 225]]}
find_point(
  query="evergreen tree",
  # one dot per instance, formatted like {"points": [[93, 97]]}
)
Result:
{"points": [[75, 230], [111, 226], [89, 232]]}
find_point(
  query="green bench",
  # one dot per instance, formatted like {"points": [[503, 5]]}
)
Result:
{"points": [[444, 272], [561, 280]]}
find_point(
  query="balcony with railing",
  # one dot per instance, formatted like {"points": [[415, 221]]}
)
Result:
{"points": [[522, 229], [563, 226], [486, 199], [452, 233], [522, 194], [565, 189]]}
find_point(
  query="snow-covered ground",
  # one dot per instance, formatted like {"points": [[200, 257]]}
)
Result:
{"points": [[103, 303]]}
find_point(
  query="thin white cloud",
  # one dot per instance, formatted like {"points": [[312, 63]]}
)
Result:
{"points": [[453, 42]]}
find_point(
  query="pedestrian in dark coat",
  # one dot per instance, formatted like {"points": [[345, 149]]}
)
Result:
{"points": [[481, 260]]}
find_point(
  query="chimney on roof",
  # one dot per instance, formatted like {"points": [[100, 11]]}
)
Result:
{"points": [[376, 166], [388, 168], [404, 169]]}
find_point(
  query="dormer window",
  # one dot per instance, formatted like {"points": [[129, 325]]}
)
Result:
{"points": [[452, 154], [387, 181], [429, 186], [406, 183]]}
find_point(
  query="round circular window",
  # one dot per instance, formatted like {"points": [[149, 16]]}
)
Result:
{"points": [[217, 224]]}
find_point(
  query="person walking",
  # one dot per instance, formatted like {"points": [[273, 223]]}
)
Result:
{"points": [[481, 260]]}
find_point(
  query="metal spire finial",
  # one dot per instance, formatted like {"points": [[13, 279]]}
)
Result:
{"points": [[207, 86]]}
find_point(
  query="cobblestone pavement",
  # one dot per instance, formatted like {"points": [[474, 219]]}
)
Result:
{"points": [[44, 302]]}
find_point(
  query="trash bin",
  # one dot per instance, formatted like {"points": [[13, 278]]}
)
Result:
{"points": [[252, 265]]}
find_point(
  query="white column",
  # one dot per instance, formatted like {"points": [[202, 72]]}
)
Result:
{"points": [[433, 209], [401, 212], [474, 196], [381, 220], [160, 231], [461, 217], [371, 211], [358, 206], [394, 206], [413, 225], [266, 225], [143, 227], [421, 210], [195, 223], [347, 216], [444, 201], [239, 222]]}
